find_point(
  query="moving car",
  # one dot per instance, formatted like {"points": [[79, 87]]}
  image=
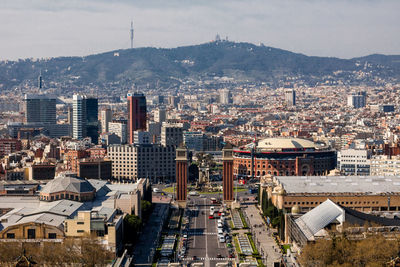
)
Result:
{"points": [[221, 240], [156, 190], [193, 193]]}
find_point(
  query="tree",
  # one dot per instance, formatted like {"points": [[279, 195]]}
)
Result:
{"points": [[146, 209], [340, 250], [86, 251], [132, 225]]}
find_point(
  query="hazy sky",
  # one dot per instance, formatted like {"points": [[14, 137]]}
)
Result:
{"points": [[340, 28]]}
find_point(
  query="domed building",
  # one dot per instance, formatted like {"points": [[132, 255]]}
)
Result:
{"points": [[281, 156], [68, 186]]}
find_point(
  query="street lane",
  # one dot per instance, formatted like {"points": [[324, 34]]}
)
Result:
{"points": [[203, 238]]}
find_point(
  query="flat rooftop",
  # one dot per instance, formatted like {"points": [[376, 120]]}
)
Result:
{"points": [[340, 184]]}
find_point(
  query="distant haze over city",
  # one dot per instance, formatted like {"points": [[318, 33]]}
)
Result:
{"points": [[343, 29]]}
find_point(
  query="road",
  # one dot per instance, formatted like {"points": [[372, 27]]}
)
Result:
{"points": [[203, 238]]}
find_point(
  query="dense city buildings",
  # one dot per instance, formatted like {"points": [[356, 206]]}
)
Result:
{"points": [[8, 146], [318, 153]]}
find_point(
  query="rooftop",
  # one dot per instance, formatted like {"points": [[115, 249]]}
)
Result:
{"points": [[279, 143], [69, 183], [339, 184]]}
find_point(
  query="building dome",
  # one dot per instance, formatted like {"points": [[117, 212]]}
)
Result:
{"points": [[282, 143], [68, 186], [296, 209]]}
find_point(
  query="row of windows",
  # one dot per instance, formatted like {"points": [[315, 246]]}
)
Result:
{"points": [[49, 236]]}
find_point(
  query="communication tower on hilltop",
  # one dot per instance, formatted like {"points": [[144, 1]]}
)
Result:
{"points": [[131, 31], [40, 80]]}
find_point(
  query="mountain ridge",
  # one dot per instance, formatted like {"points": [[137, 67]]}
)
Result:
{"points": [[166, 66]]}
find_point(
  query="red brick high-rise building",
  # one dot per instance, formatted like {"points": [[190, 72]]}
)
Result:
{"points": [[181, 173], [136, 114], [227, 178]]}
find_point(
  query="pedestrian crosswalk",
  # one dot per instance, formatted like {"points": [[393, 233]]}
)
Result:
{"points": [[209, 259], [200, 233]]}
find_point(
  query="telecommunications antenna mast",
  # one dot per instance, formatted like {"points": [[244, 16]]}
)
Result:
{"points": [[131, 31]]}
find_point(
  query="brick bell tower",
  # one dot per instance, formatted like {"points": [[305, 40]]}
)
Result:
{"points": [[227, 178], [181, 173]]}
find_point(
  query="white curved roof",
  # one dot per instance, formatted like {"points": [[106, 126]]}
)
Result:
{"points": [[279, 143], [319, 217]]}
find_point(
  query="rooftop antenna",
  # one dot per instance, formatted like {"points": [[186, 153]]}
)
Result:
{"points": [[40, 80], [131, 31]]}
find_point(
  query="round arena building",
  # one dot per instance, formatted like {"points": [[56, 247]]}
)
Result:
{"points": [[282, 156]]}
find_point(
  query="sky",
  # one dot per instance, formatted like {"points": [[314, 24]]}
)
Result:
{"points": [[335, 28]]}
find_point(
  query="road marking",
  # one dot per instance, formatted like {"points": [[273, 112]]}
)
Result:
{"points": [[195, 226], [209, 259], [205, 225], [194, 233]]}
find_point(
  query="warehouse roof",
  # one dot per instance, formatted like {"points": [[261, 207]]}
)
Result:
{"points": [[339, 184]]}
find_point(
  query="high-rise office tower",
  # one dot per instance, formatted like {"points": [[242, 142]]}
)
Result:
{"points": [[225, 97], [40, 109], [85, 118], [290, 97], [106, 117], [136, 114], [358, 100], [79, 117], [92, 119]]}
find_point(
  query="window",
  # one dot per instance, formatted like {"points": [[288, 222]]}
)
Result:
{"points": [[10, 235], [80, 231], [31, 233], [52, 235], [80, 223]]}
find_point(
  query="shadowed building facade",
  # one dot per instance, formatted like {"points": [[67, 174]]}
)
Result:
{"points": [[181, 173], [136, 114], [227, 158]]}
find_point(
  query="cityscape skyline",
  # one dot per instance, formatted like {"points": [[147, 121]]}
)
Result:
{"points": [[341, 29], [240, 151]]}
